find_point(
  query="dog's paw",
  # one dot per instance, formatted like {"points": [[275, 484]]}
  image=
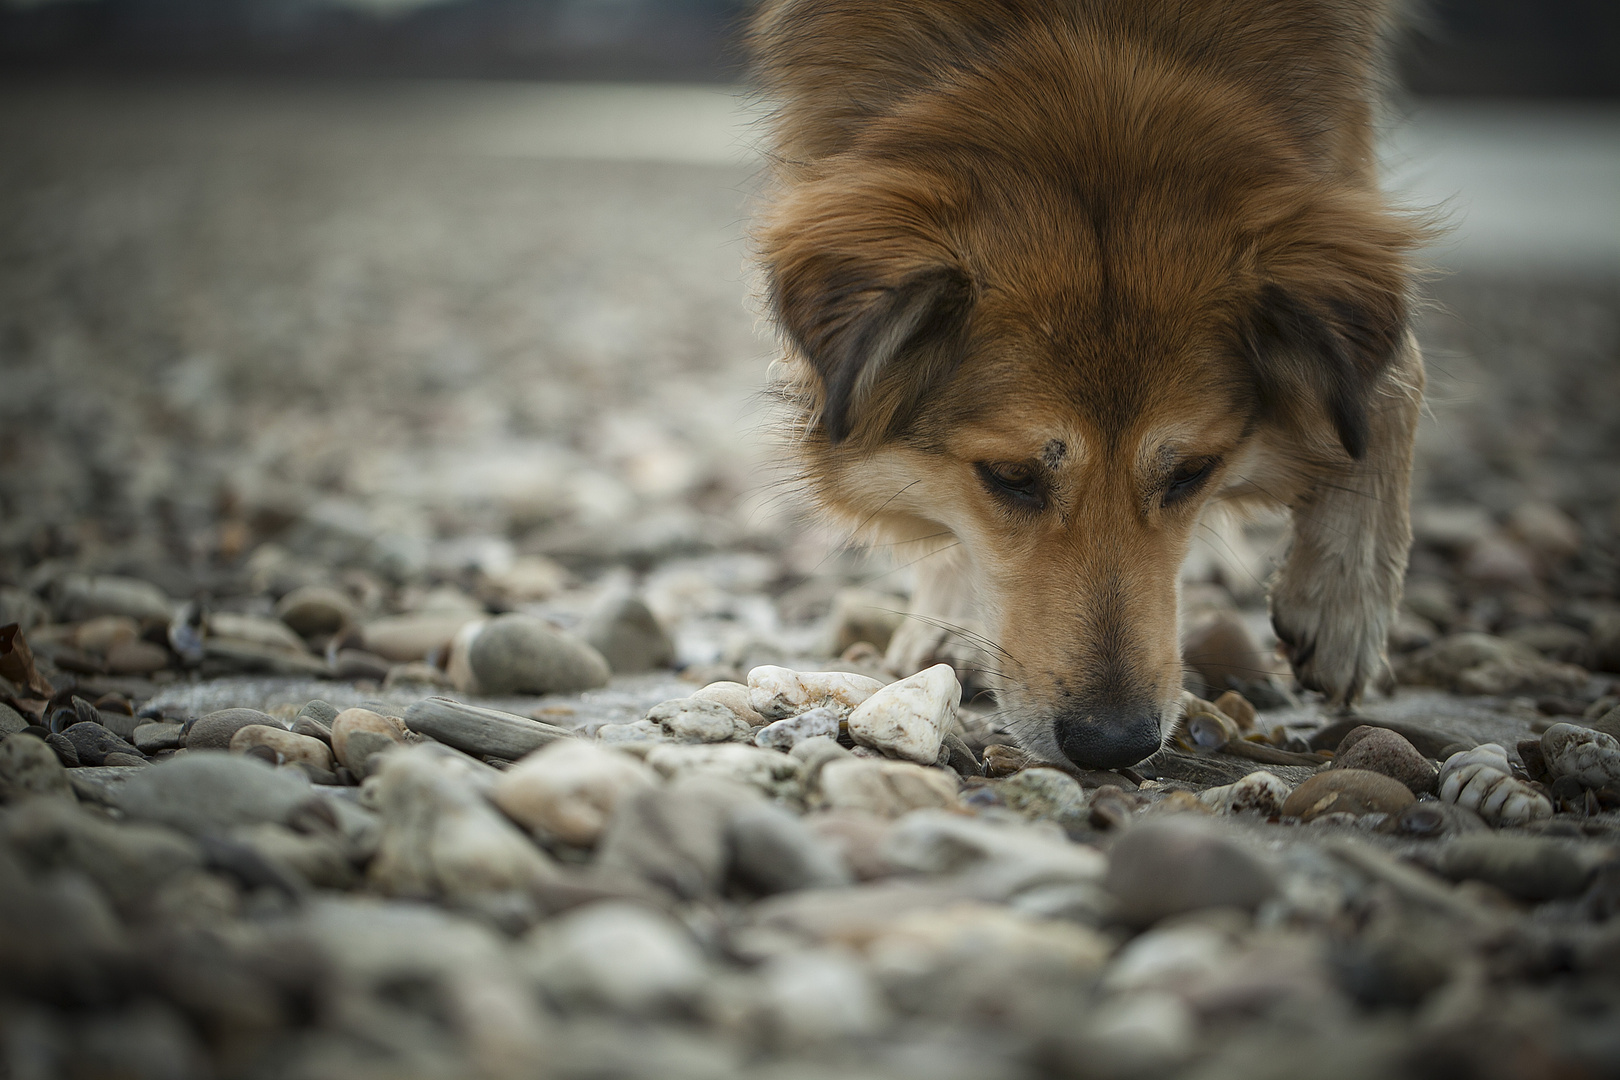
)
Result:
{"points": [[1336, 645]]}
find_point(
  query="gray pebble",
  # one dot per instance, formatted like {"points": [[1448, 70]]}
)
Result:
{"points": [[520, 654], [480, 732], [203, 792], [1179, 864], [215, 730], [29, 767], [128, 861], [787, 733], [152, 738], [11, 721], [694, 720], [773, 851], [1527, 867], [94, 742], [77, 597], [674, 837], [66, 752], [628, 635]]}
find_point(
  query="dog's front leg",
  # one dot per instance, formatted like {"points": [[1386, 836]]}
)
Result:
{"points": [[942, 623], [1335, 597]]}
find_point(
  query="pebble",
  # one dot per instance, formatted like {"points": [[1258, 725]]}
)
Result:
{"points": [[994, 859], [440, 838], [778, 692], [920, 945], [127, 861], [774, 851], [908, 719], [78, 597], [478, 731], [787, 733], [857, 837], [1347, 791], [1382, 751], [1222, 651], [11, 721], [885, 788], [66, 752], [1047, 794], [820, 995], [1592, 757], [815, 754], [734, 696], [1141, 1034], [28, 767], [774, 774], [1431, 818], [1527, 867], [137, 658], [568, 791], [520, 654], [616, 956], [623, 629], [692, 720], [311, 728], [357, 734], [315, 859], [674, 837], [316, 610], [204, 792], [1475, 663], [1260, 792], [1173, 865], [403, 638], [271, 633], [215, 730], [321, 712], [93, 743], [1482, 781], [291, 748], [637, 737]]}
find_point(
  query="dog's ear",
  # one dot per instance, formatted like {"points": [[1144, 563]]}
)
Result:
{"points": [[877, 346], [1334, 349]]}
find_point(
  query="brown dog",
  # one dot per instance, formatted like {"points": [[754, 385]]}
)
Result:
{"points": [[1056, 274]]}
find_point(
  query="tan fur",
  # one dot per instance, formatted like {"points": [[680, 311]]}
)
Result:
{"points": [[1096, 245]]}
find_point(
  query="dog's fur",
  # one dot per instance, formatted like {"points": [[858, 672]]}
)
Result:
{"points": [[1055, 274]]}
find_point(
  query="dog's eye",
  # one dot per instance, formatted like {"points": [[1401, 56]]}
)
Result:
{"points": [[1016, 483], [1186, 480]]}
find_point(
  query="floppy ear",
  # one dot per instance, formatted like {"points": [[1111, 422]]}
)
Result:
{"points": [[1334, 348], [877, 346]]}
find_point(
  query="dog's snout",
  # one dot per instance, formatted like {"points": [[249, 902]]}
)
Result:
{"points": [[1109, 736]]}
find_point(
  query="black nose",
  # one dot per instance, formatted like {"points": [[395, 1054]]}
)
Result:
{"points": [[1108, 736]]}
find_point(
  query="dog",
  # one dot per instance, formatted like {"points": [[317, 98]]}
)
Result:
{"points": [[1054, 276]]}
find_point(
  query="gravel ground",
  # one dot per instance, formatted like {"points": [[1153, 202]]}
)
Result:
{"points": [[423, 667]]}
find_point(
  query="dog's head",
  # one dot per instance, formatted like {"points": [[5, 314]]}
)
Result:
{"points": [[1057, 329]]}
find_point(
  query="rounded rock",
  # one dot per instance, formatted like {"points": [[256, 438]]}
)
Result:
{"points": [[734, 696], [885, 788], [788, 732], [1347, 791], [28, 767], [203, 792], [628, 635], [313, 610], [136, 658], [777, 692], [693, 720], [1527, 867], [1260, 792], [568, 791], [1382, 751], [520, 654], [1179, 864], [289, 748], [359, 733], [616, 955], [215, 730], [908, 719]]}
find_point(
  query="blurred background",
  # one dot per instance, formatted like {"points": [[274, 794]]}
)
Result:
{"points": [[404, 293]]}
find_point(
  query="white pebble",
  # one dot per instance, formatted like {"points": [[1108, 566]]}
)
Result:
{"points": [[908, 719], [1259, 791], [775, 692]]}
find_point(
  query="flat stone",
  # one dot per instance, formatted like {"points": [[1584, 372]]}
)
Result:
{"points": [[1382, 751], [520, 654], [693, 720], [94, 742], [77, 597], [885, 788], [568, 791], [787, 733], [1527, 867], [272, 633], [777, 692], [289, 748], [767, 771], [623, 629], [359, 733], [908, 719], [1348, 791], [156, 737], [208, 792], [313, 610], [617, 956], [481, 732], [137, 658], [29, 768], [1178, 864], [216, 730]]}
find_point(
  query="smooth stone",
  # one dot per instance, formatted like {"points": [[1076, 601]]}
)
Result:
{"points": [[478, 731], [617, 956], [923, 946], [359, 733], [857, 837], [1475, 663], [1148, 1033], [1526, 867], [628, 635], [691, 720], [291, 748], [128, 861], [403, 638], [993, 860], [1044, 794], [316, 859], [1260, 792], [1481, 780], [118, 760], [250, 656], [11, 721], [675, 837], [1222, 651], [908, 719], [1347, 791], [815, 754], [93, 743], [204, 792], [1431, 819], [1382, 751], [787, 733], [271, 633], [637, 737], [97, 785], [357, 664], [885, 788], [568, 791], [774, 774], [777, 692], [440, 838], [734, 696], [774, 851], [78, 597], [101, 633], [1177, 864], [314, 610], [822, 995], [520, 654], [216, 730], [322, 712], [1592, 757], [158, 736], [28, 767], [311, 728], [137, 658], [66, 752]]}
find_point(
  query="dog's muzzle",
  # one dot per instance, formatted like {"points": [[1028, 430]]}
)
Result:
{"points": [[1108, 736]]}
